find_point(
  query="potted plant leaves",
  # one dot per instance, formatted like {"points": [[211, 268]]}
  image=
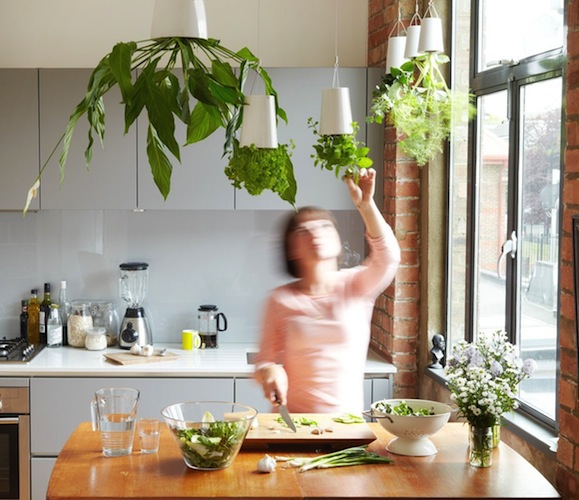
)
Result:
{"points": [[342, 153], [417, 101], [146, 74]]}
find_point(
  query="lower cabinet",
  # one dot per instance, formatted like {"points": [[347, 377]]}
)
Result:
{"points": [[58, 405]]}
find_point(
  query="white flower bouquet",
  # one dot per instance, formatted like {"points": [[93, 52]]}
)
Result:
{"points": [[484, 376]]}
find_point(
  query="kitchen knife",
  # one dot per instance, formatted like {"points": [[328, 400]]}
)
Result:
{"points": [[283, 411]]}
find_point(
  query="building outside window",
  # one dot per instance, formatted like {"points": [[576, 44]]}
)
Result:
{"points": [[504, 183]]}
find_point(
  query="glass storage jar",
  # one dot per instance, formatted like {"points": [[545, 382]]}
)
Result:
{"points": [[78, 322], [95, 339], [104, 314]]}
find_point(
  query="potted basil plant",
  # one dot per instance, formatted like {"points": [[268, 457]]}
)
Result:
{"points": [[417, 101], [340, 152], [145, 73]]}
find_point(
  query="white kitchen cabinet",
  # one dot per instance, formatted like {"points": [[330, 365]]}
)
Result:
{"points": [[19, 132], [41, 470], [111, 180], [300, 95]]}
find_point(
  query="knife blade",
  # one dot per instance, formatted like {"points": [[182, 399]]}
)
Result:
{"points": [[283, 411]]}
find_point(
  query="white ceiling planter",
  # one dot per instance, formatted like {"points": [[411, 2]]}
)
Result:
{"points": [[179, 18]]}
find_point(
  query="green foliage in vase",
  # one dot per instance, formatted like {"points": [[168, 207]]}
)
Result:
{"points": [[256, 169], [417, 101], [340, 152], [146, 74]]}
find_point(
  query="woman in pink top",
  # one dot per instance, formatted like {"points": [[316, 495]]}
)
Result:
{"points": [[316, 329]]}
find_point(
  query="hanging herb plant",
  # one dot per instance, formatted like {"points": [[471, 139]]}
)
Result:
{"points": [[417, 101], [207, 76], [340, 152], [257, 169]]}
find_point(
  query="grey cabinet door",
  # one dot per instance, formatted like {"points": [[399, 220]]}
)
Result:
{"points": [[300, 95], [19, 136], [58, 405], [111, 181]]}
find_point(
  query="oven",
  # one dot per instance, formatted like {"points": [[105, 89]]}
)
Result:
{"points": [[14, 439]]}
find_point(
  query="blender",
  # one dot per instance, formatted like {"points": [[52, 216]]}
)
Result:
{"points": [[133, 284]]}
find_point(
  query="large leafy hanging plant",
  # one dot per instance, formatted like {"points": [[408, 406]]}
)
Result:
{"points": [[417, 101], [146, 75]]}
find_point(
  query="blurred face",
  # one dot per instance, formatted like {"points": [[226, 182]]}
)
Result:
{"points": [[315, 239]]}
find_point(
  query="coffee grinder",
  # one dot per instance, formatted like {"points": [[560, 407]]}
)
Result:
{"points": [[133, 283]]}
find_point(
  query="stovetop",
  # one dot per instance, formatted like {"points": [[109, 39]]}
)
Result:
{"points": [[18, 350]]}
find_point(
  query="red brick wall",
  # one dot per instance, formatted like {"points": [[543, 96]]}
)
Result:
{"points": [[568, 450], [396, 320]]}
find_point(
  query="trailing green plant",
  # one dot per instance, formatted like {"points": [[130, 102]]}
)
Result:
{"points": [[256, 169], [146, 74], [340, 152], [417, 101]]}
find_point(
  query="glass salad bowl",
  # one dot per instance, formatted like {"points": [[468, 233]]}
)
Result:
{"points": [[209, 433]]}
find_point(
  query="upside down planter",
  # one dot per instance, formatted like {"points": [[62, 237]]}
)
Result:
{"points": [[412, 39], [395, 55], [431, 35], [179, 18], [336, 115], [259, 125]]}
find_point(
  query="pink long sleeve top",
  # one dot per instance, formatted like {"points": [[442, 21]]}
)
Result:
{"points": [[322, 341]]}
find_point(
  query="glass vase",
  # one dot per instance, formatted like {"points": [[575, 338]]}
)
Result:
{"points": [[496, 435], [481, 446]]}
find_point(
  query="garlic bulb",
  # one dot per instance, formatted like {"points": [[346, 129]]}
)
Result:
{"points": [[135, 349], [266, 464], [147, 350]]}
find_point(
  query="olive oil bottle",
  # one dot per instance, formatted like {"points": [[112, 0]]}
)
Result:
{"points": [[33, 317]]}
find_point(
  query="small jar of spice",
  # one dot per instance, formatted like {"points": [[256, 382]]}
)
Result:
{"points": [[95, 339]]}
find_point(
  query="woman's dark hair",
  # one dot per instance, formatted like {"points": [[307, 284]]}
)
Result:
{"points": [[292, 223]]}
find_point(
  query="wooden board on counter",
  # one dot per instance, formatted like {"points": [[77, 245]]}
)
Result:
{"points": [[126, 358], [270, 432]]}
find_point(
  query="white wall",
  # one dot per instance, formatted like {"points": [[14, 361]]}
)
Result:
{"points": [[227, 258], [283, 33]]}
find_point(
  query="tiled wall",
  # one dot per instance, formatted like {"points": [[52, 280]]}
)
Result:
{"points": [[227, 258]]}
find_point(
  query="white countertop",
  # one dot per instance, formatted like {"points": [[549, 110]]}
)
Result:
{"points": [[229, 360]]}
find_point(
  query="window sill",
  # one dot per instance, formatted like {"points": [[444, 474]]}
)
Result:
{"points": [[531, 430]]}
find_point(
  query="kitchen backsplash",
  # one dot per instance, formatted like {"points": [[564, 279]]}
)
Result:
{"points": [[228, 258]]}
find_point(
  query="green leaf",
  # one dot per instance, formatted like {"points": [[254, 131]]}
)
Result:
{"points": [[204, 120], [120, 66], [160, 165], [199, 86], [223, 73]]}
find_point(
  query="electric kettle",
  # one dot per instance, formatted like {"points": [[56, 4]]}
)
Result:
{"points": [[210, 321]]}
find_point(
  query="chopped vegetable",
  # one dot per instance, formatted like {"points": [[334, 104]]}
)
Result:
{"points": [[300, 421], [357, 455], [349, 418], [402, 409]]}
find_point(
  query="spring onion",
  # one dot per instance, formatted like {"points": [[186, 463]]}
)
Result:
{"points": [[349, 418], [357, 455]]}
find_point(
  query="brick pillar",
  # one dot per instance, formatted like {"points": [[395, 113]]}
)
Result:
{"points": [[568, 446], [395, 324]]}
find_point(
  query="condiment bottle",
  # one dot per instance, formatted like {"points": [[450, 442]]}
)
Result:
{"points": [[54, 327], [44, 313], [33, 317], [24, 320]]}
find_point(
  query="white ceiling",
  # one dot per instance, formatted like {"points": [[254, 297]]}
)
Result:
{"points": [[283, 33]]}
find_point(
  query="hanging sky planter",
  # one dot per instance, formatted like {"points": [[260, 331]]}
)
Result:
{"points": [[431, 31], [413, 35], [396, 46]]}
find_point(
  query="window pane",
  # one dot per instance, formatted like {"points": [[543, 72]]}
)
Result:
{"points": [[517, 29], [493, 186], [538, 271]]}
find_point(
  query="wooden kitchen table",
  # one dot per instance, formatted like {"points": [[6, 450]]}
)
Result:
{"points": [[82, 472]]}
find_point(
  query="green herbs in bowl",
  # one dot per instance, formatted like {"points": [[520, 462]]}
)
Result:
{"points": [[209, 433]]}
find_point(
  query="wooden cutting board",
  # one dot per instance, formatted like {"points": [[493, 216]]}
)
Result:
{"points": [[271, 433], [126, 358]]}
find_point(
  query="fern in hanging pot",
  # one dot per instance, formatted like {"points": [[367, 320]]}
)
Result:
{"points": [[342, 153], [146, 74], [416, 100]]}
